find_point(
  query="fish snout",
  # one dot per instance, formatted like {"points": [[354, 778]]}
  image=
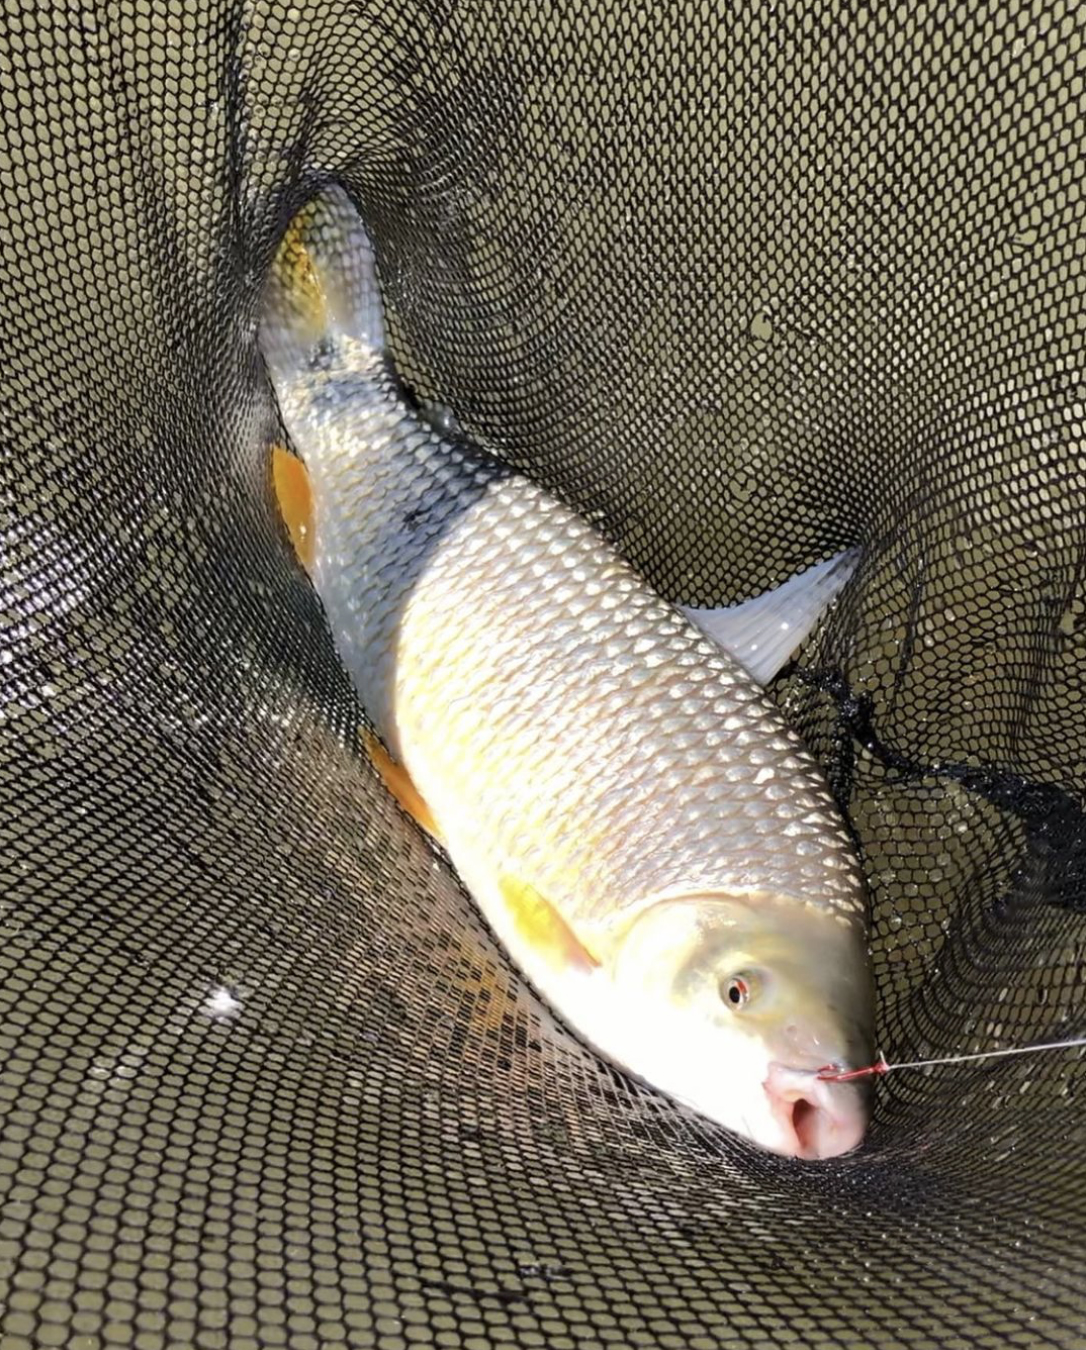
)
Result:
{"points": [[817, 1119]]}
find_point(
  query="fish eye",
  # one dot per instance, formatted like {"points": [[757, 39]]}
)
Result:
{"points": [[737, 990]]}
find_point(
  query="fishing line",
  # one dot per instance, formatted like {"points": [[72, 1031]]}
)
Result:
{"points": [[829, 1074]]}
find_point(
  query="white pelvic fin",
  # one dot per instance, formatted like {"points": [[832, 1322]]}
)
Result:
{"points": [[762, 633]]}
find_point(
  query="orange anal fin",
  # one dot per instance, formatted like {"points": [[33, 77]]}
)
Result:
{"points": [[543, 928], [295, 498], [398, 781]]}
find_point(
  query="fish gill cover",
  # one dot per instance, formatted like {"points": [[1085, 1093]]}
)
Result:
{"points": [[746, 285]]}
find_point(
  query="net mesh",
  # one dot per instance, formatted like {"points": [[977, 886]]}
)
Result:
{"points": [[746, 284]]}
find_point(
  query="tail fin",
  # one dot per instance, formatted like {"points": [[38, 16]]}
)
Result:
{"points": [[322, 286]]}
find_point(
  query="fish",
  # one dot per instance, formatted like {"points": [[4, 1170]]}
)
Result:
{"points": [[650, 841]]}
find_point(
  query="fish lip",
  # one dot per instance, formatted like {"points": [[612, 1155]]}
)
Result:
{"points": [[780, 1074], [845, 1117]]}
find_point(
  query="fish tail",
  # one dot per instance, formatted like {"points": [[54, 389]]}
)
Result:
{"points": [[321, 287]]}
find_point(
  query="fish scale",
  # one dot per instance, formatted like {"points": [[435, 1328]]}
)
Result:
{"points": [[639, 705]]}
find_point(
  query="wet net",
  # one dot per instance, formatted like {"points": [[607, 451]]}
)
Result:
{"points": [[747, 284]]}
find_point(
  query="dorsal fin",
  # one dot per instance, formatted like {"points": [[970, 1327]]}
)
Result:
{"points": [[762, 633]]}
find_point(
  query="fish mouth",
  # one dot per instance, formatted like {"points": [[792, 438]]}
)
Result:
{"points": [[816, 1118]]}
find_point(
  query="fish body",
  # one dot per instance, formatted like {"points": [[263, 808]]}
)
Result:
{"points": [[649, 840]]}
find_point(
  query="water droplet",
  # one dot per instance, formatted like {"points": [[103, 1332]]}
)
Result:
{"points": [[221, 1004], [761, 328]]}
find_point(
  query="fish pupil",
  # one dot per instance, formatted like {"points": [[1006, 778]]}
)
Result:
{"points": [[737, 991]]}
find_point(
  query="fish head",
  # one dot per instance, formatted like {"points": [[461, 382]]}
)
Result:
{"points": [[740, 1001]]}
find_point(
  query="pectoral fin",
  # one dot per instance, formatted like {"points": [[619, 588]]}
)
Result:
{"points": [[295, 498], [398, 781], [762, 633], [540, 925]]}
